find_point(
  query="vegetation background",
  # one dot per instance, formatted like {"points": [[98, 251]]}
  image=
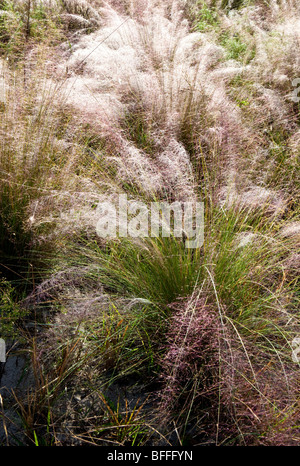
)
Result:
{"points": [[140, 341]]}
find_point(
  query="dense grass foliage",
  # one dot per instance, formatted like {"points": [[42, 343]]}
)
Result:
{"points": [[141, 340]]}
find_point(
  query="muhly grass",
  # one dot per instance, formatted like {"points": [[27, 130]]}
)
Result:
{"points": [[217, 339], [160, 101], [29, 159]]}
